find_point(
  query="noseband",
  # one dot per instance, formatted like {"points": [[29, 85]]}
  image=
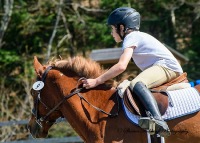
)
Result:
{"points": [[37, 86]]}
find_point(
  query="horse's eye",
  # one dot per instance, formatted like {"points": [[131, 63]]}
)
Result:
{"points": [[33, 92]]}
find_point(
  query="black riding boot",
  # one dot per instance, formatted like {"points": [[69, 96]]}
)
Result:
{"points": [[154, 124]]}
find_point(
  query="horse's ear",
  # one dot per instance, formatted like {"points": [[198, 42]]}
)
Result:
{"points": [[39, 69]]}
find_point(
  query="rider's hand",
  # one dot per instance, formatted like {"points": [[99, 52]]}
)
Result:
{"points": [[89, 83]]}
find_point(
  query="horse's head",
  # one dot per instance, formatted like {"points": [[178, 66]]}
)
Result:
{"points": [[43, 117], [56, 83]]}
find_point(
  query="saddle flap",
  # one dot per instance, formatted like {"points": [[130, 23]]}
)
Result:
{"points": [[131, 103], [134, 105]]}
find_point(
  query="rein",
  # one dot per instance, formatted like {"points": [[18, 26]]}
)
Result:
{"points": [[100, 110], [66, 97], [76, 91]]}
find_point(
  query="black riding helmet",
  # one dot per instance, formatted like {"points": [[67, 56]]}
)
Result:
{"points": [[126, 16]]}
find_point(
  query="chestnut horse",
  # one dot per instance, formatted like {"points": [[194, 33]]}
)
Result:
{"points": [[93, 113]]}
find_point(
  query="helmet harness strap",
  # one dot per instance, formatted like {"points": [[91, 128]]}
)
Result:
{"points": [[119, 32]]}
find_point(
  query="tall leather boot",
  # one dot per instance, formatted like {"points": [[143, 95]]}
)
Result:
{"points": [[154, 123]]}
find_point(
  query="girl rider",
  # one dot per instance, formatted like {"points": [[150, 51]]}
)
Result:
{"points": [[157, 63]]}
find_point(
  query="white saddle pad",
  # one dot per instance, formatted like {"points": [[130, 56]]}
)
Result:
{"points": [[181, 102]]}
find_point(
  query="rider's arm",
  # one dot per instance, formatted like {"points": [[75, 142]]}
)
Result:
{"points": [[113, 71], [117, 68]]}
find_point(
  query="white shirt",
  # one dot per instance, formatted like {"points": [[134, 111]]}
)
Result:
{"points": [[149, 51]]}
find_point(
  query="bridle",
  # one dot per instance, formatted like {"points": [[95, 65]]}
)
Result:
{"points": [[77, 91]]}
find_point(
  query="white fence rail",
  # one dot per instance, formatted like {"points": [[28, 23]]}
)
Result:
{"points": [[74, 139], [51, 140], [12, 123]]}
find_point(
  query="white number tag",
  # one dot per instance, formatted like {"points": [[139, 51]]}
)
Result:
{"points": [[38, 85]]}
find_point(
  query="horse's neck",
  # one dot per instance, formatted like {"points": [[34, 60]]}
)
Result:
{"points": [[82, 116]]}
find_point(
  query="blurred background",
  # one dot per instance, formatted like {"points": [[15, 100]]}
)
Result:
{"points": [[53, 28]]}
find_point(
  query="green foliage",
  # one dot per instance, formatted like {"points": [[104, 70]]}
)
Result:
{"points": [[9, 60], [8, 57]]}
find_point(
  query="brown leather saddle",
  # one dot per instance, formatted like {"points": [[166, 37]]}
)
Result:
{"points": [[135, 106], [180, 79]]}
